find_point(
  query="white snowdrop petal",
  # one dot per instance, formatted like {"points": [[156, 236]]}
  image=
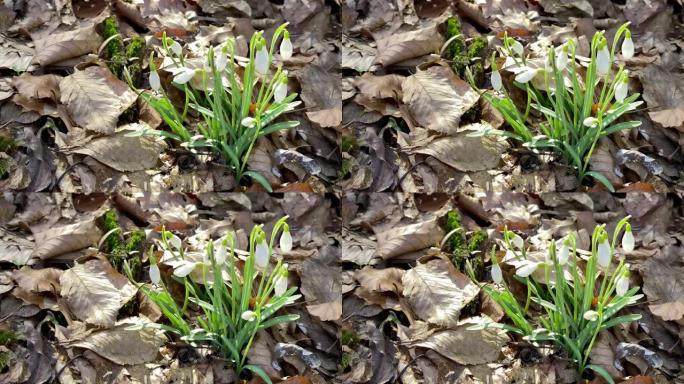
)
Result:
{"points": [[628, 241], [286, 49], [526, 268], [280, 92], [176, 48], [622, 285], [590, 315], [497, 274], [155, 274], [184, 76], [184, 269], [248, 122], [248, 315], [155, 81], [517, 48], [590, 121], [526, 75], [261, 61], [628, 48], [286, 242], [517, 241], [175, 241], [497, 82], [261, 255], [603, 254], [221, 61], [280, 285], [603, 61], [220, 254], [621, 89], [563, 255]]}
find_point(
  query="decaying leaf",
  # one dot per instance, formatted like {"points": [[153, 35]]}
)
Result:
{"points": [[409, 238], [124, 153], [322, 288], [68, 238], [38, 286], [466, 346], [437, 292], [664, 95], [94, 292], [122, 345], [56, 47], [437, 99], [467, 153], [95, 98], [322, 96], [403, 46], [664, 283]]}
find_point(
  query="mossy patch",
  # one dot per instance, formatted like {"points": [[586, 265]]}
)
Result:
{"points": [[345, 361], [345, 168], [4, 167], [465, 248], [457, 47], [348, 143], [115, 47], [6, 143], [122, 248], [7, 337]]}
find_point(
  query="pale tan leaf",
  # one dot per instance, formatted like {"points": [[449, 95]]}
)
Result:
{"points": [[664, 283], [38, 87], [322, 288], [408, 45], [38, 286], [124, 153], [664, 95], [466, 153], [380, 87], [94, 292], [68, 238], [66, 45], [122, 345], [437, 292], [467, 346], [437, 99], [409, 238], [95, 98], [380, 286]]}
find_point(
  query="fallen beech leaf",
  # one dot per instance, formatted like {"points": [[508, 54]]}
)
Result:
{"points": [[380, 87], [123, 346], [38, 286], [94, 292], [664, 95], [95, 98], [639, 380], [295, 187], [402, 46], [322, 95], [56, 47], [409, 238], [124, 153], [664, 283], [437, 292], [437, 99], [38, 87], [467, 346], [322, 289], [638, 187], [296, 380], [68, 238]]}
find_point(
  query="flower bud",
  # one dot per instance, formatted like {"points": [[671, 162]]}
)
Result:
{"points": [[628, 239], [628, 46], [603, 253], [155, 81], [497, 274], [286, 46], [261, 60], [261, 254], [286, 240]]}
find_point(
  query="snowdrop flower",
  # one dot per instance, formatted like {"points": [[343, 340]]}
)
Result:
{"points": [[280, 285], [590, 315], [526, 268], [621, 88], [603, 253], [497, 274], [261, 60], [221, 253], [175, 46], [248, 122], [517, 241], [603, 60], [155, 274], [155, 81], [526, 75], [175, 241], [628, 239], [628, 46], [185, 75], [221, 60], [248, 315], [280, 90], [622, 284], [286, 240], [564, 253], [185, 268], [562, 58], [590, 122], [516, 47], [497, 82], [261, 254], [286, 46]]}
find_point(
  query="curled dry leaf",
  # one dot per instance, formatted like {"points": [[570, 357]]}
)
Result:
{"points": [[380, 286], [408, 45], [124, 153], [322, 95], [73, 237], [437, 99], [95, 98], [664, 283], [664, 95], [38, 286], [94, 292], [322, 289], [437, 292], [57, 47], [466, 346], [400, 240], [467, 153], [124, 346], [38, 87]]}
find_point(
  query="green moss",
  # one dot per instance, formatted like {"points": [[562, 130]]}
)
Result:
{"points": [[6, 143], [4, 167], [349, 337], [4, 360], [345, 168], [135, 240], [115, 47], [476, 56], [457, 239], [477, 241], [348, 143], [345, 361], [134, 56], [457, 48], [7, 337], [111, 222]]}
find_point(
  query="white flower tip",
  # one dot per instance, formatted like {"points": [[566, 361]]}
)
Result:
{"points": [[286, 48], [628, 241], [248, 315], [497, 82], [286, 241], [627, 48], [590, 315], [155, 274], [261, 255], [497, 274], [155, 81]]}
